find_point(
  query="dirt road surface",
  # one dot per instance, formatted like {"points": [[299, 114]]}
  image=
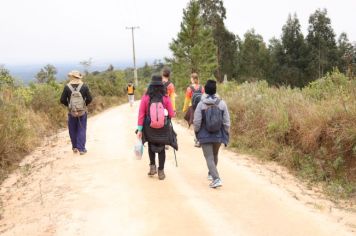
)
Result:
{"points": [[107, 192]]}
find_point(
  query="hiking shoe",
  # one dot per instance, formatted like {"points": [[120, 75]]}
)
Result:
{"points": [[83, 152], [197, 143], [75, 150], [210, 177], [161, 175], [153, 170], [216, 183]]}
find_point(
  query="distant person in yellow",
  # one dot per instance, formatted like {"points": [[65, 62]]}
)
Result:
{"points": [[171, 93], [131, 93]]}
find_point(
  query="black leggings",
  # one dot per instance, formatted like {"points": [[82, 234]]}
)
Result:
{"points": [[161, 157]]}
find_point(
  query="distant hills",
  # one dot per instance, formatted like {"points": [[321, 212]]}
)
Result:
{"points": [[27, 73]]}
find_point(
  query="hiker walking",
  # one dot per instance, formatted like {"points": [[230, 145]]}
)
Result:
{"points": [[76, 96], [192, 98], [170, 89], [211, 125], [131, 93], [154, 113], [169, 86]]}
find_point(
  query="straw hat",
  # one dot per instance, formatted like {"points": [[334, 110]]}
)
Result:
{"points": [[75, 77], [75, 74]]}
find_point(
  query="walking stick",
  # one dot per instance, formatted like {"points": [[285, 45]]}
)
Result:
{"points": [[175, 157]]}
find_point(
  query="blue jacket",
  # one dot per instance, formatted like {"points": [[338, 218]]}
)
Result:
{"points": [[204, 136]]}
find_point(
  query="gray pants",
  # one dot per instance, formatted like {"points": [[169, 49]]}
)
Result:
{"points": [[211, 151], [131, 99]]}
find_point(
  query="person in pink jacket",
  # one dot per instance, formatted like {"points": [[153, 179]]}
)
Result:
{"points": [[156, 90]]}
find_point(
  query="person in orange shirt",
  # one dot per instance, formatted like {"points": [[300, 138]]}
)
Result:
{"points": [[169, 87], [193, 90], [192, 98]]}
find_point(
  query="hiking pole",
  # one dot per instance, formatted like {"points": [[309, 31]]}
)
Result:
{"points": [[175, 157]]}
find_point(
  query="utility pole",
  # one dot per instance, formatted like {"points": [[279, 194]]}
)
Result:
{"points": [[132, 28]]}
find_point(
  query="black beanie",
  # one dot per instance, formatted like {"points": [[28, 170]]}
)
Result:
{"points": [[210, 87]]}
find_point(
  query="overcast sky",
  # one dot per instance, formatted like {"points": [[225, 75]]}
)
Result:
{"points": [[54, 31]]}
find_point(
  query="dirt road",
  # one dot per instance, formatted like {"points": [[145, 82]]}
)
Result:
{"points": [[107, 192]]}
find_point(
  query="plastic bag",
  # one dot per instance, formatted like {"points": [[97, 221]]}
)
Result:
{"points": [[138, 149]]}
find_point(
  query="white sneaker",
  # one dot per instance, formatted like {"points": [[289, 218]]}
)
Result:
{"points": [[216, 183], [210, 177]]}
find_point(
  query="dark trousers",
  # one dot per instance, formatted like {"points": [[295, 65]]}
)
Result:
{"points": [[77, 131], [161, 156]]}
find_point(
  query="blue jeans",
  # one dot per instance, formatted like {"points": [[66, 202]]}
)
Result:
{"points": [[77, 131]]}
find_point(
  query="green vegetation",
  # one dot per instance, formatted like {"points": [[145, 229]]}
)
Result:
{"points": [[29, 113], [280, 110], [204, 45], [194, 49], [311, 131]]}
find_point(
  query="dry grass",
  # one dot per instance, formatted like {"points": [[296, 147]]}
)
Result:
{"points": [[311, 131], [28, 114]]}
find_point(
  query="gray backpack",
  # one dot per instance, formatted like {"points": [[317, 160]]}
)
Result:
{"points": [[213, 117], [77, 106]]}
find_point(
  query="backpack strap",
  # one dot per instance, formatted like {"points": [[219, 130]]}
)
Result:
{"points": [[167, 84], [79, 87], [195, 90], [217, 102], [75, 89], [70, 87]]}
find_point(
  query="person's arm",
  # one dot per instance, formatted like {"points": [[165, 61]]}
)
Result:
{"points": [[64, 96], [172, 96], [173, 101], [142, 113], [169, 107], [141, 116], [88, 97], [187, 99], [198, 117], [226, 118]]}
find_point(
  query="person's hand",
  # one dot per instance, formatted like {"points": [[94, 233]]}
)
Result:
{"points": [[139, 134]]}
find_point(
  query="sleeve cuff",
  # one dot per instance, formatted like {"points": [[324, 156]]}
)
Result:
{"points": [[139, 128]]}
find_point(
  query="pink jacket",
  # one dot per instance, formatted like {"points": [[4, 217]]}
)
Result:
{"points": [[143, 111]]}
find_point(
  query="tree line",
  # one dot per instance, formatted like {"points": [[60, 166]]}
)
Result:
{"points": [[206, 46]]}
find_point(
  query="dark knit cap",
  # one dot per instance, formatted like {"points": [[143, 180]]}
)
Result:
{"points": [[156, 80], [210, 87]]}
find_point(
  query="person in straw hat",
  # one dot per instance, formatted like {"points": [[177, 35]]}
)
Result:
{"points": [[76, 96]]}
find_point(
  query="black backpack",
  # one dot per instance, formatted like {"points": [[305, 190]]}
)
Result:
{"points": [[196, 97], [213, 117]]}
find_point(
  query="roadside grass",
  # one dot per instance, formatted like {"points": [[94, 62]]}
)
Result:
{"points": [[29, 114], [311, 131]]}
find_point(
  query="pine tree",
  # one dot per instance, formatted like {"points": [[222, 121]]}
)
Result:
{"points": [[193, 49], [345, 53], [253, 58], [321, 43], [214, 14], [292, 56]]}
